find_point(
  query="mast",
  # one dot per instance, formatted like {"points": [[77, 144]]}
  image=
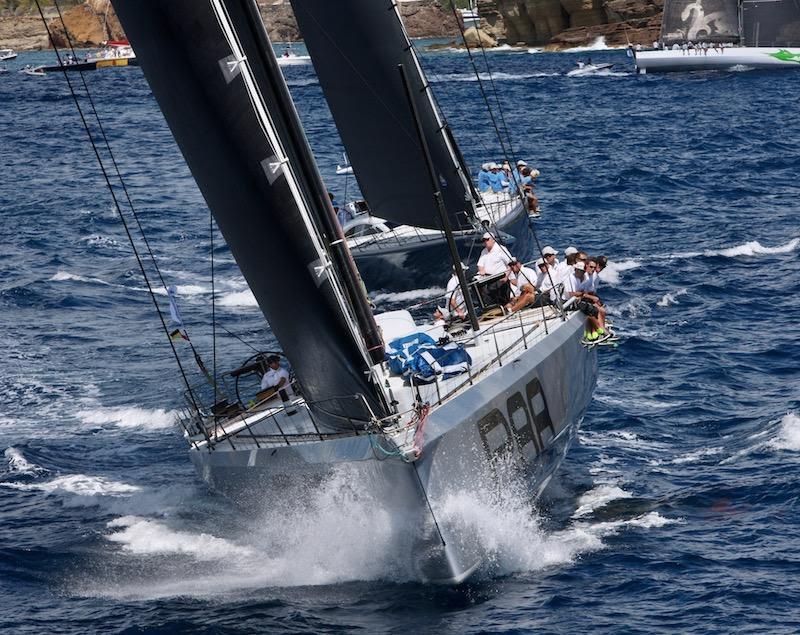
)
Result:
{"points": [[448, 231], [211, 68]]}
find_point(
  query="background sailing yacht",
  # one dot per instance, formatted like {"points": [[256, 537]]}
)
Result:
{"points": [[356, 49], [761, 34]]}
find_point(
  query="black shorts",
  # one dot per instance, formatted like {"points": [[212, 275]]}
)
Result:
{"points": [[587, 308]]}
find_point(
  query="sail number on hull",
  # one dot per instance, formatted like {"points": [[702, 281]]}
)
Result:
{"points": [[526, 426]]}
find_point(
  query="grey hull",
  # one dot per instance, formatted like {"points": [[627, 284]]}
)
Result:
{"points": [[395, 267], [516, 424]]}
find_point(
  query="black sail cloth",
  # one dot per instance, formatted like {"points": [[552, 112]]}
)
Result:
{"points": [[356, 47], [198, 82]]}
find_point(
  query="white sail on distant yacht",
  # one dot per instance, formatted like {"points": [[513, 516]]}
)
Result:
{"points": [[412, 416], [724, 34]]}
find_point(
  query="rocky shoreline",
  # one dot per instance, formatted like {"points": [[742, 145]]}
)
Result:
{"points": [[549, 24], [94, 21]]}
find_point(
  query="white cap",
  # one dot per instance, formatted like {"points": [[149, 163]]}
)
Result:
{"points": [[521, 163], [570, 250], [540, 262], [487, 235], [548, 250], [494, 166], [534, 173], [485, 166], [579, 266]]}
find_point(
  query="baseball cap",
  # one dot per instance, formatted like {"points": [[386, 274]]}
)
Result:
{"points": [[521, 163], [487, 235], [548, 250], [570, 250], [540, 262]]}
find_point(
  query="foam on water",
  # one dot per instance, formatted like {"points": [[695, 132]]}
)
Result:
{"points": [[129, 417], [598, 497], [788, 437], [61, 276], [485, 77], [750, 248], [754, 248], [599, 44], [238, 299], [612, 273], [80, 485], [671, 298], [145, 536], [339, 533], [689, 458], [18, 464]]}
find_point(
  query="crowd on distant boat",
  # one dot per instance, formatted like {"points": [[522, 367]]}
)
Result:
{"points": [[690, 48], [495, 177], [504, 281]]}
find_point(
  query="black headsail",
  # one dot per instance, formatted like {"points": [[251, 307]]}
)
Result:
{"points": [[211, 68], [700, 21], [356, 47]]}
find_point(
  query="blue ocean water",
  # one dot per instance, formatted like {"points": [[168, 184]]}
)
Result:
{"points": [[676, 512]]}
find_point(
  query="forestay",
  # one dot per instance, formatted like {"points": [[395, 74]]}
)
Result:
{"points": [[700, 21], [212, 70], [356, 47]]}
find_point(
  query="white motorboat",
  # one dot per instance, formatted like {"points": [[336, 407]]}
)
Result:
{"points": [[7, 54], [32, 71], [289, 58], [704, 35], [589, 68], [482, 407]]}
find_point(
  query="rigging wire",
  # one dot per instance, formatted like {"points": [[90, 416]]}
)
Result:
{"points": [[532, 231], [114, 197], [213, 304]]}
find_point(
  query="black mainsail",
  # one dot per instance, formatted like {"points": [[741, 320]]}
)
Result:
{"points": [[356, 47], [700, 21], [771, 23], [212, 70]]}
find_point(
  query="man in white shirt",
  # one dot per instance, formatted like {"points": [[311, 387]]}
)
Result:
{"points": [[523, 287], [277, 377], [545, 281], [492, 262], [455, 298]]}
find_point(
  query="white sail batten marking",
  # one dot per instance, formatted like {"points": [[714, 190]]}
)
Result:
{"points": [[268, 127], [231, 67], [319, 270], [273, 168]]}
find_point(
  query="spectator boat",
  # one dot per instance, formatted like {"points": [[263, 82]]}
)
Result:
{"points": [[410, 418], [7, 54], [114, 53], [588, 68]]}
